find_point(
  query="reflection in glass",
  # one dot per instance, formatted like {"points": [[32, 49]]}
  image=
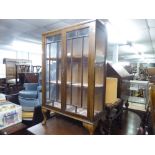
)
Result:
{"points": [[52, 39], [53, 50], [78, 33], [47, 81], [47, 50]]}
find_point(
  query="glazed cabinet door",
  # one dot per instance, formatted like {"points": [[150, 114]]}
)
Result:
{"points": [[77, 49], [53, 70]]}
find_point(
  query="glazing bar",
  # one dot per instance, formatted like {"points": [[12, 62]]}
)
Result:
{"points": [[82, 72]]}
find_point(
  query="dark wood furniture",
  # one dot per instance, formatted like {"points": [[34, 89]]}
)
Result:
{"points": [[28, 77], [74, 72], [3, 85], [33, 118], [17, 129], [9, 88], [12, 69], [123, 89], [36, 69], [114, 112], [27, 73], [12, 98], [58, 125]]}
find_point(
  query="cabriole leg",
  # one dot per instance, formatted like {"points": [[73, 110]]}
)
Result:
{"points": [[44, 111], [90, 127]]}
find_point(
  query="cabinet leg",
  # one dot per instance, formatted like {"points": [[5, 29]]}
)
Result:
{"points": [[44, 111], [109, 126], [90, 127]]}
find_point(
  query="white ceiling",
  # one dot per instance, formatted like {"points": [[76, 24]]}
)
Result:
{"points": [[31, 29], [141, 34]]}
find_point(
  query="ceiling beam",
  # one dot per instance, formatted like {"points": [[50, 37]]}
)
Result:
{"points": [[148, 28]]}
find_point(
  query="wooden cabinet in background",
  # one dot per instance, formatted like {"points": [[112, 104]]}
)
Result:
{"points": [[12, 70], [74, 72], [123, 88]]}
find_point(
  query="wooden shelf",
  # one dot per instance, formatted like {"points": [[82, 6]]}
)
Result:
{"points": [[85, 85], [98, 60], [74, 59]]}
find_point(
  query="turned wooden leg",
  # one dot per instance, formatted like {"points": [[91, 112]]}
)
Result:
{"points": [[109, 126], [44, 111], [90, 127]]}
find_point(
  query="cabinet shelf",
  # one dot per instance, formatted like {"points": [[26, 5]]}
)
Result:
{"points": [[85, 85], [68, 58], [98, 60]]}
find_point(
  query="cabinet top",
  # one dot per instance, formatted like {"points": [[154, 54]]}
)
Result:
{"points": [[70, 26]]}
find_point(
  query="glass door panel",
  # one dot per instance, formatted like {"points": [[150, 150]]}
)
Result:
{"points": [[53, 74], [77, 71], [47, 82]]}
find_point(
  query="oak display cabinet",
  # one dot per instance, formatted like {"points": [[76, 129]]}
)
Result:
{"points": [[74, 72]]}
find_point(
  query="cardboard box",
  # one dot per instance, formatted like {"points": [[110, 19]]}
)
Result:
{"points": [[10, 114]]}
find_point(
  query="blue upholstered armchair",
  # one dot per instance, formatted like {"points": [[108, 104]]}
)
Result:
{"points": [[30, 97]]}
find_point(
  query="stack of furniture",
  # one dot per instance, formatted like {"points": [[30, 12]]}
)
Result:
{"points": [[11, 70], [27, 73], [36, 69], [74, 72]]}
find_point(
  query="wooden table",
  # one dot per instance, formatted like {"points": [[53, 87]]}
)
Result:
{"points": [[17, 129], [58, 125]]}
